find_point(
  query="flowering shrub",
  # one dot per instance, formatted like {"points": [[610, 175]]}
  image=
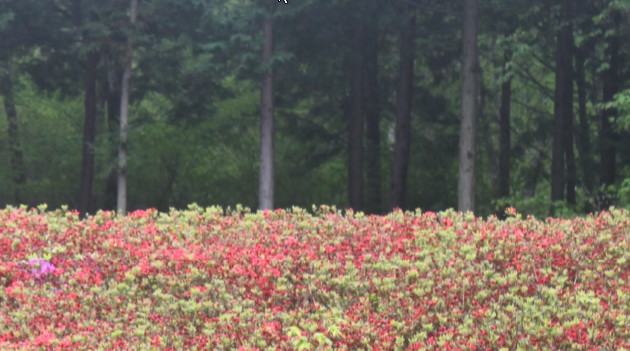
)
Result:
{"points": [[202, 279]]}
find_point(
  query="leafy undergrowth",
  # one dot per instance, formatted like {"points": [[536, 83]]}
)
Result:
{"points": [[201, 279]]}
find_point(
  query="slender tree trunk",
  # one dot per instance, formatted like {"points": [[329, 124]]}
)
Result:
{"points": [[466, 186], [533, 174], [402, 134], [562, 105], [266, 187], [355, 171], [570, 158], [372, 114], [487, 133], [124, 114], [583, 137], [112, 96], [15, 147], [568, 126], [569, 149], [607, 136], [86, 197], [505, 145]]}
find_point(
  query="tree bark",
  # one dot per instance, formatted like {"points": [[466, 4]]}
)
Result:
{"points": [[15, 147], [466, 184], [568, 124], [355, 166], [112, 100], [86, 196], [484, 127], [124, 114], [570, 160], [266, 186], [402, 141], [583, 137], [372, 113], [562, 105], [505, 145], [607, 136]]}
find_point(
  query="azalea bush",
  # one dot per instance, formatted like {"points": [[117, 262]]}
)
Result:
{"points": [[215, 279]]}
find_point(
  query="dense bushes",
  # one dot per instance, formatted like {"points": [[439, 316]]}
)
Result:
{"points": [[213, 279]]}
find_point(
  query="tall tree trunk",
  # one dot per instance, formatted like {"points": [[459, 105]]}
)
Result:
{"points": [[86, 197], [486, 130], [355, 166], [266, 187], [466, 186], [568, 125], [505, 145], [570, 160], [607, 136], [402, 141], [124, 114], [562, 105], [372, 114], [112, 101], [15, 147], [583, 137]]}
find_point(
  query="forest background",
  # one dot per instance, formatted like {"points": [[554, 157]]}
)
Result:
{"points": [[369, 104]]}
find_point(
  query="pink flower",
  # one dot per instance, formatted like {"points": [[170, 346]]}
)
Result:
{"points": [[41, 268], [44, 339]]}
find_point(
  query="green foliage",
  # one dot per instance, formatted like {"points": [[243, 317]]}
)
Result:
{"points": [[50, 136], [624, 193], [621, 105], [5, 18]]}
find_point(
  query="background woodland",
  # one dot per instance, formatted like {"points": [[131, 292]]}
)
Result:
{"points": [[369, 104]]}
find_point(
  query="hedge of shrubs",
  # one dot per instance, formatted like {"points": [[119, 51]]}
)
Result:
{"points": [[215, 279]]}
